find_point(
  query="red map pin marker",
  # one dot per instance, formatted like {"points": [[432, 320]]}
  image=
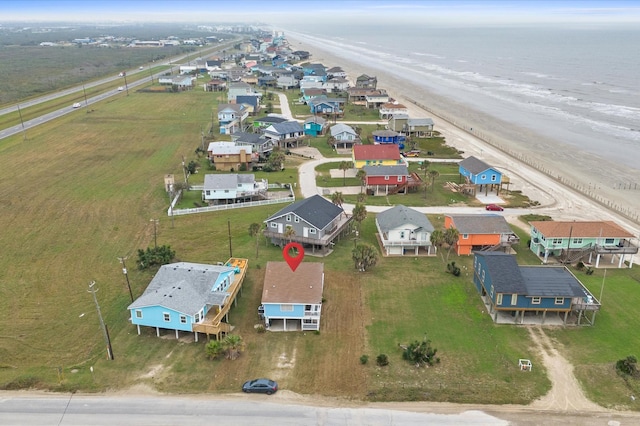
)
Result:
{"points": [[293, 261]]}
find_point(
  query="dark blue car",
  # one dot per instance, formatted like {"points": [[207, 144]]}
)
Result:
{"points": [[260, 386]]}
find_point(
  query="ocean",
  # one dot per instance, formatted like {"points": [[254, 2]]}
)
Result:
{"points": [[570, 90]]}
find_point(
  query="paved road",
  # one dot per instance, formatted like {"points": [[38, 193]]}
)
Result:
{"points": [[198, 410]]}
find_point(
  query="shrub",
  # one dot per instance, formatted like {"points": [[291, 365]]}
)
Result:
{"points": [[420, 353], [580, 266], [261, 328], [453, 269], [242, 168], [627, 366], [382, 360], [364, 359]]}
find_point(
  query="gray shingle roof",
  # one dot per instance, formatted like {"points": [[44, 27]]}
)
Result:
{"points": [[400, 215], [481, 224], [504, 271], [551, 281], [184, 287], [474, 165], [315, 210], [395, 170], [270, 119], [287, 127]]}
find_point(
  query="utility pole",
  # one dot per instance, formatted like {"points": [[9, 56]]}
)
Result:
{"points": [[86, 104], [107, 341], [155, 232], [124, 271], [124, 74], [24, 132], [184, 170], [229, 230]]}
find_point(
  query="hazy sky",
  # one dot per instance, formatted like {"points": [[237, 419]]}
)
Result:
{"points": [[281, 12]]}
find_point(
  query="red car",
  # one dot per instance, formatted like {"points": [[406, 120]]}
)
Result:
{"points": [[494, 208]]}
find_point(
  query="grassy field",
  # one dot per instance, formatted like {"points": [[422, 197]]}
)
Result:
{"points": [[81, 191]]}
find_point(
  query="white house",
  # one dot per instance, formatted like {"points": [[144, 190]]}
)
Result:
{"points": [[404, 231], [232, 187]]}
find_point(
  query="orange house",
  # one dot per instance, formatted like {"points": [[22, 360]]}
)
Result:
{"points": [[481, 232]]}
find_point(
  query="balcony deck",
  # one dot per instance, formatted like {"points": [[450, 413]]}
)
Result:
{"points": [[213, 323]]}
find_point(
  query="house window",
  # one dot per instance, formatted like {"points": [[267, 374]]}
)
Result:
{"points": [[482, 276], [296, 219], [514, 299], [274, 225], [483, 177], [559, 301], [197, 317], [465, 236], [557, 241], [208, 192], [491, 290], [386, 178], [577, 241], [226, 191], [402, 235], [536, 300], [166, 316], [138, 313], [183, 319], [286, 308], [312, 230], [499, 299], [399, 178], [288, 218], [494, 178], [608, 240]]}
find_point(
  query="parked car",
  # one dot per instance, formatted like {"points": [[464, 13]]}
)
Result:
{"points": [[77, 105], [494, 208], [412, 153], [120, 89], [260, 386]]}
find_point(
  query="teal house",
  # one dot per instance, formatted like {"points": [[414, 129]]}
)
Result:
{"points": [[585, 241]]}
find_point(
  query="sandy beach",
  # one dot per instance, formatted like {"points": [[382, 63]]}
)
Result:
{"points": [[579, 186]]}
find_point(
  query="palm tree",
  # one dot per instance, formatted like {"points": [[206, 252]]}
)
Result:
{"points": [[234, 345], [337, 198], [437, 239], [359, 213], [450, 238], [254, 231], [433, 174], [213, 349], [364, 257], [344, 166], [424, 165], [289, 233], [362, 175]]}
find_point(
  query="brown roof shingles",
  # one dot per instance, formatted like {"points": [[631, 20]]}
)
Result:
{"points": [[595, 229], [282, 285]]}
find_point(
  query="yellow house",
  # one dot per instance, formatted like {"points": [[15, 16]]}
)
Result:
{"points": [[376, 155]]}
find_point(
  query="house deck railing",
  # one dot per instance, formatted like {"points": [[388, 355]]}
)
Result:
{"points": [[625, 248], [406, 243], [213, 321], [325, 240], [178, 212]]}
